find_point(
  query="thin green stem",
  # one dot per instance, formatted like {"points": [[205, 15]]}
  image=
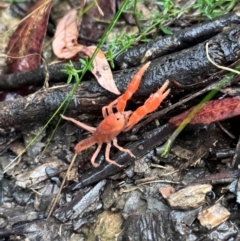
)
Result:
{"points": [[158, 22]]}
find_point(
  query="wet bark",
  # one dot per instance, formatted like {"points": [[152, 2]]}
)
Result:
{"points": [[40, 106], [180, 40], [187, 67]]}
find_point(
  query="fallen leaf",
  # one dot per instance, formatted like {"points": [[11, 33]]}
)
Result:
{"points": [[24, 48], [167, 191], [101, 70], [214, 110], [65, 46]]}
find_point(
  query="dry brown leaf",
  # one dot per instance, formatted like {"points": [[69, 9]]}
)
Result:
{"points": [[24, 48], [65, 46], [101, 70]]}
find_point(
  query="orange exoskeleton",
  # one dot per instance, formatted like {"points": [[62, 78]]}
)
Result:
{"points": [[115, 123]]}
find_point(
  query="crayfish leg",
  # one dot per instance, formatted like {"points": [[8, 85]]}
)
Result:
{"points": [[108, 110], [150, 105], [107, 156], [132, 88], [95, 156], [121, 148]]}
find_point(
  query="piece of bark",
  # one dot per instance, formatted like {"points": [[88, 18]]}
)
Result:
{"points": [[178, 41], [40, 106], [236, 158], [190, 66], [219, 178], [189, 197], [80, 204], [187, 67], [213, 216], [36, 77], [149, 226]]}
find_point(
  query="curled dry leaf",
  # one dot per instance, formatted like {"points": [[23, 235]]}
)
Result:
{"points": [[65, 46], [214, 110], [101, 70]]}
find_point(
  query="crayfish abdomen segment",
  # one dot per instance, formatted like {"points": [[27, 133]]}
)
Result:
{"points": [[84, 144]]}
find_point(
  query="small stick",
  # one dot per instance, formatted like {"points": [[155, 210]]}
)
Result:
{"points": [[54, 202]]}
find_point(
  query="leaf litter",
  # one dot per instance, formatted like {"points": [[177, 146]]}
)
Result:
{"points": [[132, 204], [66, 46], [25, 45]]}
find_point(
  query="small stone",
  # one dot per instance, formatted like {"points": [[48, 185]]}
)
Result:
{"points": [[189, 197], [213, 216]]}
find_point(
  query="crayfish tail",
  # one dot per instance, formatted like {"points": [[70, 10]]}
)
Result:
{"points": [[84, 144]]}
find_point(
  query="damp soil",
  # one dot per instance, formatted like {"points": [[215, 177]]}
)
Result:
{"points": [[189, 194]]}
